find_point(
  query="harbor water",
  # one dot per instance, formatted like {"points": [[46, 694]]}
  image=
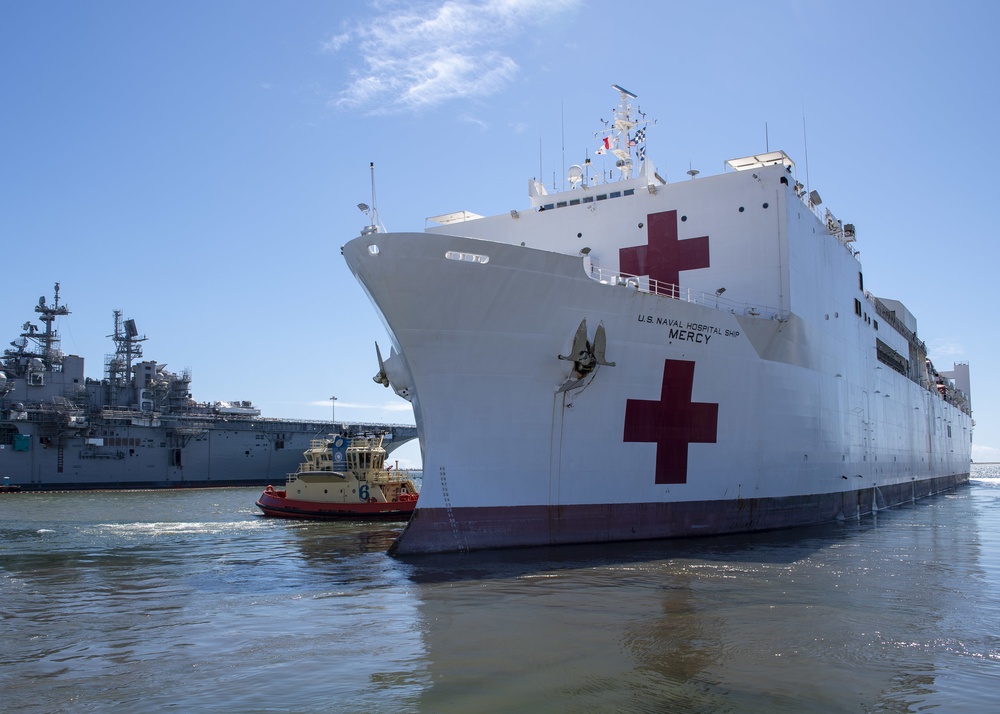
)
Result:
{"points": [[191, 601]]}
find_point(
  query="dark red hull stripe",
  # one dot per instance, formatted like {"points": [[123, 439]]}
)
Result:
{"points": [[459, 529]]}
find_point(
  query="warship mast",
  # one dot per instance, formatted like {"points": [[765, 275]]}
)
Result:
{"points": [[21, 359], [118, 366]]}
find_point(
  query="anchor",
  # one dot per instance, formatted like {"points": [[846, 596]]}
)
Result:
{"points": [[392, 373], [586, 355], [381, 377]]}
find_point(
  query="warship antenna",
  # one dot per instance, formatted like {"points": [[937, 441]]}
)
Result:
{"points": [[49, 340], [127, 348]]}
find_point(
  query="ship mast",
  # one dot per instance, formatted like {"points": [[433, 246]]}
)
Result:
{"points": [[371, 211], [51, 355], [118, 367], [46, 342], [619, 139]]}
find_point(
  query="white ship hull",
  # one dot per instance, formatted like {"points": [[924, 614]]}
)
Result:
{"points": [[773, 406], [509, 460]]}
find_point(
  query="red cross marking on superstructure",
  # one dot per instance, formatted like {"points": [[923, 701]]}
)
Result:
{"points": [[664, 257], [673, 422]]}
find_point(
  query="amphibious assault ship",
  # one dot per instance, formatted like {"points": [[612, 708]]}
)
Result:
{"points": [[139, 426]]}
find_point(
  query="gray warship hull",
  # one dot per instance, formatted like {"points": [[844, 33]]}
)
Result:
{"points": [[137, 452], [138, 426]]}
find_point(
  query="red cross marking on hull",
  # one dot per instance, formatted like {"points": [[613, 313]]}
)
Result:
{"points": [[664, 257], [673, 422]]}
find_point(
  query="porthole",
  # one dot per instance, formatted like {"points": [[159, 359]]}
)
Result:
{"points": [[683, 218], [467, 257], [765, 204], [741, 209]]}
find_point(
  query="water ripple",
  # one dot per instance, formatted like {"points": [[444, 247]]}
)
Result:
{"points": [[190, 600]]}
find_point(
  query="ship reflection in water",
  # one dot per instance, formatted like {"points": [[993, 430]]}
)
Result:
{"points": [[133, 601]]}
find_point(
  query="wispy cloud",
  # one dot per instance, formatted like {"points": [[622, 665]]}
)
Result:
{"points": [[415, 55], [475, 121], [945, 348], [397, 406]]}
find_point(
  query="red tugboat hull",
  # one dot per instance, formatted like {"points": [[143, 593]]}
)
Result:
{"points": [[274, 503]]}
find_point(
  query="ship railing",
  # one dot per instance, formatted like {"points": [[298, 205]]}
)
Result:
{"points": [[393, 476], [123, 412], [40, 411], [890, 317], [843, 232], [645, 284]]}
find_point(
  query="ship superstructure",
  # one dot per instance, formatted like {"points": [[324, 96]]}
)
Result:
{"points": [[662, 359], [138, 426]]}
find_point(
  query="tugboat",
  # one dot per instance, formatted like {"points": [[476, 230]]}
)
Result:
{"points": [[343, 478]]}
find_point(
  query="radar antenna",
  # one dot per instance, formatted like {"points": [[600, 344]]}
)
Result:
{"points": [[118, 366]]}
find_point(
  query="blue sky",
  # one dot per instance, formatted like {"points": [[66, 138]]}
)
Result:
{"points": [[198, 164]]}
